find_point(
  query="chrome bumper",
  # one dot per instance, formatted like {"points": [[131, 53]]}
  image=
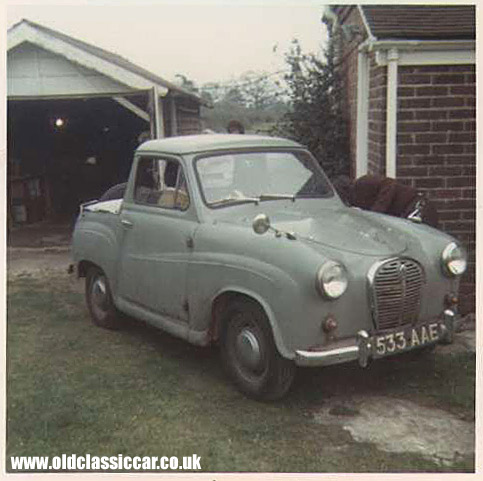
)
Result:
{"points": [[360, 347]]}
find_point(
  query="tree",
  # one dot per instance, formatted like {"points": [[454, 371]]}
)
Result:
{"points": [[259, 90], [252, 98], [316, 117], [235, 96]]}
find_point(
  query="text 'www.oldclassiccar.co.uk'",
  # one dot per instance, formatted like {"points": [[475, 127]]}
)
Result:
{"points": [[104, 463]]}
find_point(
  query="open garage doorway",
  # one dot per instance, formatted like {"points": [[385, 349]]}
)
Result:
{"points": [[65, 152]]}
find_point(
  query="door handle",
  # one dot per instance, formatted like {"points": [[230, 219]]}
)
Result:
{"points": [[126, 223]]}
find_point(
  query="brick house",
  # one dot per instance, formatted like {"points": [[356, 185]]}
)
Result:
{"points": [[410, 84]]}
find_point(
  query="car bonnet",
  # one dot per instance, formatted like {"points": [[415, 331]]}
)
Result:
{"points": [[350, 230]]}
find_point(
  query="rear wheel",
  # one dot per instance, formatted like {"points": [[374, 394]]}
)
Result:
{"points": [[250, 355], [99, 300]]}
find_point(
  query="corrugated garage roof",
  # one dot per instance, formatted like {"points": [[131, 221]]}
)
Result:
{"points": [[421, 22]]}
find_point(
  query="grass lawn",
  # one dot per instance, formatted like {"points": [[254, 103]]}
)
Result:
{"points": [[75, 388]]}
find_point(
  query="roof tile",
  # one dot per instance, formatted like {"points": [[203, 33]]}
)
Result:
{"points": [[421, 22]]}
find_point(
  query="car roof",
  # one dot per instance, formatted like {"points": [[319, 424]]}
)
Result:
{"points": [[187, 144]]}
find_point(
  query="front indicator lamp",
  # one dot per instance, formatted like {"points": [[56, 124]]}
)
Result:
{"points": [[329, 324]]}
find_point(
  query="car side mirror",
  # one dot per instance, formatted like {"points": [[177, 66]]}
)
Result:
{"points": [[261, 223]]}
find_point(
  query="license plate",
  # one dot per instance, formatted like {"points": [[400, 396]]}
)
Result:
{"points": [[405, 339]]}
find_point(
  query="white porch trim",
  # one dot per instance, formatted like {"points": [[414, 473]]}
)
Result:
{"points": [[420, 52], [430, 57], [391, 112], [362, 133]]}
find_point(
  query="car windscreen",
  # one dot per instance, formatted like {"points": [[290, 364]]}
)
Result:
{"points": [[247, 176]]}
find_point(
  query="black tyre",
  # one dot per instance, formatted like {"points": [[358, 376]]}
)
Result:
{"points": [[99, 300], [250, 355]]}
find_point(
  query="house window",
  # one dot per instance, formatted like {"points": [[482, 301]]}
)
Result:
{"points": [[161, 183]]}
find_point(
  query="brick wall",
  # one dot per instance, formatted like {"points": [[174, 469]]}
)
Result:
{"points": [[436, 136], [349, 64], [377, 95], [376, 148], [437, 148]]}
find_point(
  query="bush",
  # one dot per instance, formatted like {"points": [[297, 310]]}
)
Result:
{"points": [[316, 117]]}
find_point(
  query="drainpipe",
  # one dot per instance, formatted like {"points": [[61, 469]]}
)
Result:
{"points": [[362, 111], [391, 112]]}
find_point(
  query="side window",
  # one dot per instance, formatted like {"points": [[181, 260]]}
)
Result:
{"points": [[161, 183]]}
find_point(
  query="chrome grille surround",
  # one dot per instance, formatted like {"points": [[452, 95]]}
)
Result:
{"points": [[395, 289]]}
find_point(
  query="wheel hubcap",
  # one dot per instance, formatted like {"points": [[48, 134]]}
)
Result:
{"points": [[248, 349], [99, 294]]}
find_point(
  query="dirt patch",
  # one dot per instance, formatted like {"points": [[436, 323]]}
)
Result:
{"points": [[50, 264], [41, 234], [402, 426], [38, 262]]}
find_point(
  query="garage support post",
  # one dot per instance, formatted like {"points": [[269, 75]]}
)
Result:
{"points": [[157, 120]]}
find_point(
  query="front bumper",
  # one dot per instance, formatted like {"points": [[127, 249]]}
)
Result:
{"points": [[360, 348]]}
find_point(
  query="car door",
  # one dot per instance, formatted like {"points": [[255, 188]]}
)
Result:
{"points": [[159, 223]]}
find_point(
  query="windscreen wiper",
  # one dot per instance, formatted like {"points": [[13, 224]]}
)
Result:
{"points": [[263, 197], [234, 201], [256, 200]]}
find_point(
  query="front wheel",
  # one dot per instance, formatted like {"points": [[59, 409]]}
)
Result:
{"points": [[99, 300], [250, 355]]}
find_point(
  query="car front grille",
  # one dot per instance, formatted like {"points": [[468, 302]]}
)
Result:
{"points": [[396, 287]]}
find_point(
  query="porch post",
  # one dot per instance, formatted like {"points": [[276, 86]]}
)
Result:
{"points": [[157, 119], [362, 113], [391, 112]]}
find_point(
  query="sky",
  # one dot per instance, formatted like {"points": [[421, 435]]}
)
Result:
{"points": [[204, 40]]}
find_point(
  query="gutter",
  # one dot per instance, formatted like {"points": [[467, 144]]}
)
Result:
{"points": [[422, 44]]}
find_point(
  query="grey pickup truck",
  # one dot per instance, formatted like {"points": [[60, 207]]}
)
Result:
{"points": [[241, 241]]}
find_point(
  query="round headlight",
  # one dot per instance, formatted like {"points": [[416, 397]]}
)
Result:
{"points": [[453, 259], [331, 280]]}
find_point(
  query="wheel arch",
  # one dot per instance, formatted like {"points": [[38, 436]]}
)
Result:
{"points": [[229, 294], [83, 266]]}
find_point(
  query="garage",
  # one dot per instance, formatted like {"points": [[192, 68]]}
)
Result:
{"points": [[76, 113]]}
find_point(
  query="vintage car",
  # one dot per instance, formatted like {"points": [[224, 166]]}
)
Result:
{"points": [[241, 241]]}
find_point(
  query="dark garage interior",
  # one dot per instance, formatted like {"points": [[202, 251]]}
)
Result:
{"points": [[65, 152]]}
